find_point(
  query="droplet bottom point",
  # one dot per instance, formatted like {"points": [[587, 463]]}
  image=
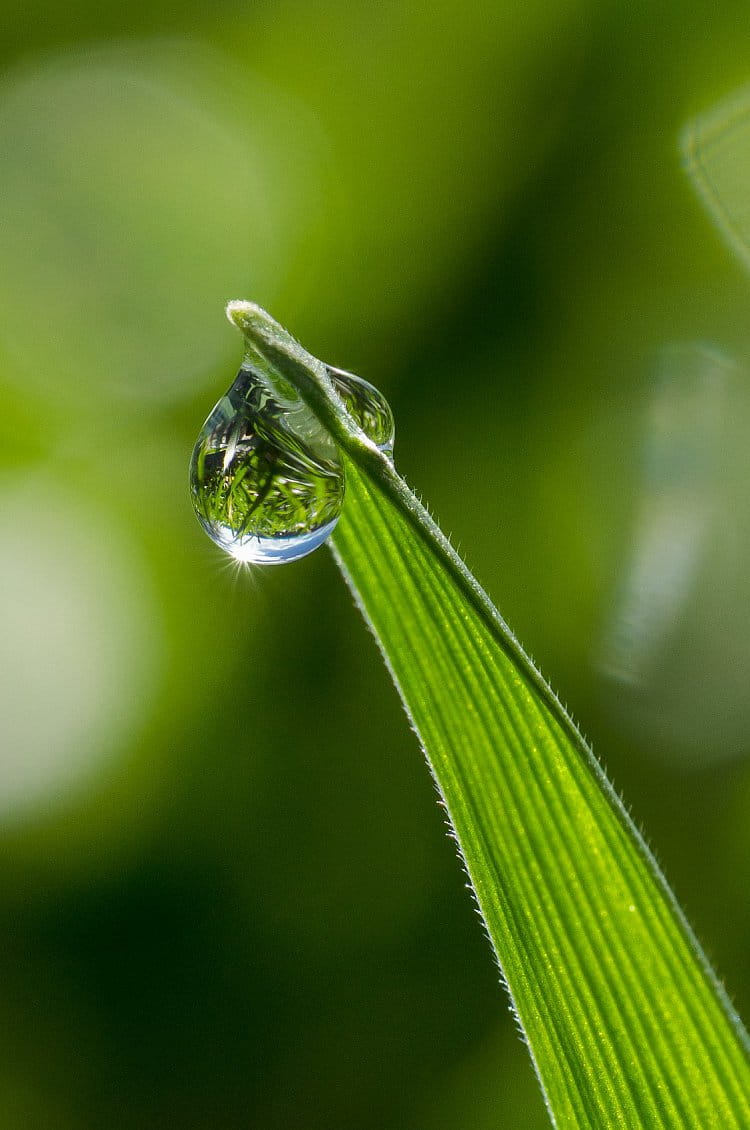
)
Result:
{"points": [[256, 550]]}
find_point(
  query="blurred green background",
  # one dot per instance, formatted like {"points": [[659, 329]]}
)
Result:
{"points": [[227, 897]]}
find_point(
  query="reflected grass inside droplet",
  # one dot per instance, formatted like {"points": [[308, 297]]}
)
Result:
{"points": [[266, 477], [266, 480]]}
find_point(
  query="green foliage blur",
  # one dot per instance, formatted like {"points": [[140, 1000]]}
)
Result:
{"points": [[227, 897]]}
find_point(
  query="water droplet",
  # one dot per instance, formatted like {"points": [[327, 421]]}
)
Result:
{"points": [[266, 478], [367, 405]]}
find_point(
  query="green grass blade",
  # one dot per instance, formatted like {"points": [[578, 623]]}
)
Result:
{"points": [[625, 1022]]}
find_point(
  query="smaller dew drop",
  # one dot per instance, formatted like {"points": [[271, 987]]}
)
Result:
{"points": [[266, 479], [367, 406]]}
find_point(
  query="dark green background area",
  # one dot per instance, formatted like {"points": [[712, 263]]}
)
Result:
{"points": [[247, 912]]}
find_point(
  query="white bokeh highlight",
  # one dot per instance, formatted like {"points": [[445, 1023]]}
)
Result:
{"points": [[143, 185], [80, 646]]}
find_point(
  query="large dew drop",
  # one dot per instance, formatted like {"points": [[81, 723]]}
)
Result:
{"points": [[266, 479]]}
